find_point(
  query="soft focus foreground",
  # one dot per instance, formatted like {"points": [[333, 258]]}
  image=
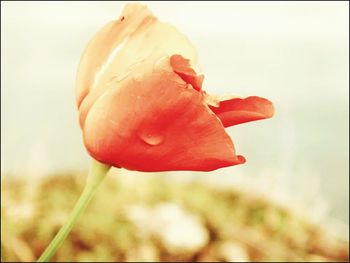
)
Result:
{"points": [[149, 218]]}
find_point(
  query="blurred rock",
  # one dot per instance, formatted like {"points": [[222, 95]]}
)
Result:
{"points": [[232, 252], [22, 211], [179, 231], [143, 252]]}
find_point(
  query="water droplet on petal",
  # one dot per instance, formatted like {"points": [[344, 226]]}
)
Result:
{"points": [[151, 139]]}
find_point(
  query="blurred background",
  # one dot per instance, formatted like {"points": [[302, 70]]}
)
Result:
{"points": [[294, 53]]}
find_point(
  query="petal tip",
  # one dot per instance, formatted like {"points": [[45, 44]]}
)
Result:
{"points": [[241, 159]]}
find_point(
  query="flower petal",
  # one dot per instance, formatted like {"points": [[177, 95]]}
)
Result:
{"points": [[182, 67], [141, 103], [236, 111], [136, 36], [157, 123], [102, 45]]}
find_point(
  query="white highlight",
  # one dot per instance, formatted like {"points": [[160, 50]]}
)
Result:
{"points": [[110, 59]]}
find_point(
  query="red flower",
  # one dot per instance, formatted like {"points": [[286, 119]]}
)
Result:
{"points": [[141, 103]]}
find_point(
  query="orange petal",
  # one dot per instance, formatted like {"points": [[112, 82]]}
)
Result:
{"points": [[236, 111], [157, 123], [141, 104], [113, 52], [182, 67]]}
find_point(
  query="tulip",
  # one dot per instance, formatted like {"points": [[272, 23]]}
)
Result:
{"points": [[142, 106], [141, 102]]}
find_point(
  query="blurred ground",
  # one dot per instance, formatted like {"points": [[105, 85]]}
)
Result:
{"points": [[148, 218]]}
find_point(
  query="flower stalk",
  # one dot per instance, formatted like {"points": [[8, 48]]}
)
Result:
{"points": [[96, 174]]}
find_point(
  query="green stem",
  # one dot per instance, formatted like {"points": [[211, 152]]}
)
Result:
{"points": [[96, 174]]}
